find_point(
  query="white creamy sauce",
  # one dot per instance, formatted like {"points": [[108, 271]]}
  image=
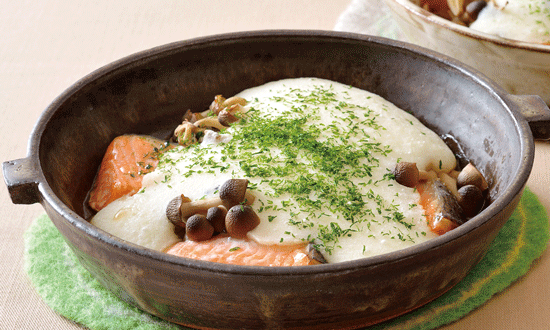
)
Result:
{"points": [[330, 184], [524, 20]]}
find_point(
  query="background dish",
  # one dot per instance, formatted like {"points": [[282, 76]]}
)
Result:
{"points": [[519, 67]]}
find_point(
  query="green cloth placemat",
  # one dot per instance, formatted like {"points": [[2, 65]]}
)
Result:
{"points": [[72, 292]]}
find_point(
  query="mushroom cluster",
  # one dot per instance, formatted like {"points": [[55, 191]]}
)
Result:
{"points": [[229, 211], [220, 115], [463, 12], [460, 194]]}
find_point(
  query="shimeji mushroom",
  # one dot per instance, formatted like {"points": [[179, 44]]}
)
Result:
{"points": [[472, 10], [240, 220], [471, 175], [470, 198], [224, 111], [185, 133], [173, 210], [234, 100], [227, 116], [191, 116], [216, 216], [235, 191], [209, 122], [232, 192], [221, 103], [406, 174], [188, 209], [314, 254], [198, 228], [217, 105]]}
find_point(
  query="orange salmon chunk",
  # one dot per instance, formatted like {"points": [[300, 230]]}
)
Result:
{"points": [[126, 160], [225, 249]]}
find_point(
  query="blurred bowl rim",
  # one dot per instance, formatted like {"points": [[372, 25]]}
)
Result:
{"points": [[468, 32], [48, 196]]}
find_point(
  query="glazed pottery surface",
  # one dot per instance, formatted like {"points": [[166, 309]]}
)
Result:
{"points": [[519, 67]]}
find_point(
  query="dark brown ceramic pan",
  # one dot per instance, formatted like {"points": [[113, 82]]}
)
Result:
{"points": [[148, 92]]}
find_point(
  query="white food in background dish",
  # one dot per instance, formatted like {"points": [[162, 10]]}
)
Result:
{"points": [[364, 214], [524, 20]]}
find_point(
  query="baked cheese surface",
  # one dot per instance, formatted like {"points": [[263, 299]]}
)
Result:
{"points": [[318, 156]]}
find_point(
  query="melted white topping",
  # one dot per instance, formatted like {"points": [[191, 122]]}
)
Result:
{"points": [[318, 155], [524, 20]]}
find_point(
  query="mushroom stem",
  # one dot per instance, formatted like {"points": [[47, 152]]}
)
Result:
{"points": [[233, 101], [426, 175], [248, 198], [198, 206], [209, 122], [449, 182]]}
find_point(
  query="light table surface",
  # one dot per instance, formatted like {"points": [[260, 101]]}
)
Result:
{"points": [[45, 46]]}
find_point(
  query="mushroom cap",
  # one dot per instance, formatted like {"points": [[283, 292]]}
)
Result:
{"points": [[241, 219], [216, 216], [233, 191], [226, 118], [446, 203], [473, 9], [191, 116], [406, 174], [179, 230], [471, 175], [173, 209], [198, 228], [173, 212], [471, 200], [315, 254], [216, 105]]}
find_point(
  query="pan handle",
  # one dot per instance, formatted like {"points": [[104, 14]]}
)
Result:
{"points": [[21, 176], [536, 112]]}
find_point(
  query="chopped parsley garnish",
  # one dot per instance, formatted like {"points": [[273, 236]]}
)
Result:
{"points": [[281, 150]]}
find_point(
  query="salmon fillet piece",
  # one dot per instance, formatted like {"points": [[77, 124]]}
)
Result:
{"points": [[126, 160], [227, 250], [442, 211]]}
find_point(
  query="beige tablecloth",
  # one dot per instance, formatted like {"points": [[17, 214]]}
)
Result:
{"points": [[48, 45]]}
